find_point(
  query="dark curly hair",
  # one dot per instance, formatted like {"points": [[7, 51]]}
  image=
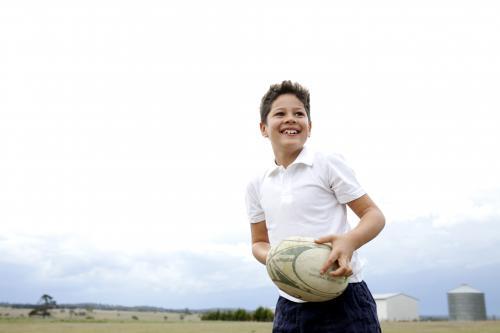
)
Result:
{"points": [[285, 87]]}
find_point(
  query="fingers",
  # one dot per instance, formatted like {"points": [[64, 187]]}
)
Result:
{"points": [[325, 239], [338, 254], [344, 268], [332, 258]]}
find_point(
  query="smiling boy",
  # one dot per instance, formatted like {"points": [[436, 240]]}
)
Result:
{"points": [[305, 193]]}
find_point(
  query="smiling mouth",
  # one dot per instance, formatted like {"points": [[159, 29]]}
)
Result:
{"points": [[290, 132]]}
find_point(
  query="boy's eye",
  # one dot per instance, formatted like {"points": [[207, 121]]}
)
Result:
{"points": [[281, 114]]}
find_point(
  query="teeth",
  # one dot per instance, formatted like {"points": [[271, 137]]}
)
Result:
{"points": [[290, 131]]}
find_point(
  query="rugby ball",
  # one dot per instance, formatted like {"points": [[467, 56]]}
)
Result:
{"points": [[294, 267]]}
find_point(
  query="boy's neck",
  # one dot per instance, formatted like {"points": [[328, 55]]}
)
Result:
{"points": [[285, 158]]}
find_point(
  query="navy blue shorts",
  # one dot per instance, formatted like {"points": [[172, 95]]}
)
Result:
{"points": [[352, 312]]}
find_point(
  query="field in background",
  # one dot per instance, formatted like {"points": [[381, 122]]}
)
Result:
{"points": [[155, 322], [133, 327], [441, 327], [102, 315]]}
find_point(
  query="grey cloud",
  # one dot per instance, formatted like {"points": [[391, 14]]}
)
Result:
{"points": [[415, 245], [425, 260], [91, 275]]}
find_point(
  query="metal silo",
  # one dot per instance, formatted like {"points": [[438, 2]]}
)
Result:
{"points": [[466, 303]]}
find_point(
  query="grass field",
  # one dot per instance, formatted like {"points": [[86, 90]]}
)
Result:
{"points": [[48, 326], [109, 322]]}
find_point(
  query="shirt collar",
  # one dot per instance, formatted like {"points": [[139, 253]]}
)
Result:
{"points": [[305, 157]]}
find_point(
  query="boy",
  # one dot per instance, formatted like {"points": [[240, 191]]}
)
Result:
{"points": [[305, 194]]}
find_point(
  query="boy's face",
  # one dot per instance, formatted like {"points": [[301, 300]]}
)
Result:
{"points": [[287, 124]]}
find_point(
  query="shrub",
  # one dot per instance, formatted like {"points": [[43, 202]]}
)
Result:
{"points": [[261, 314]]}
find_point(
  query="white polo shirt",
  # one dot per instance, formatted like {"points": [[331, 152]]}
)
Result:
{"points": [[307, 199]]}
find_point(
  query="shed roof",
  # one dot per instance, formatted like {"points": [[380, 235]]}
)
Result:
{"points": [[390, 295]]}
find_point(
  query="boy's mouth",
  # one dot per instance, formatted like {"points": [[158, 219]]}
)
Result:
{"points": [[288, 131]]}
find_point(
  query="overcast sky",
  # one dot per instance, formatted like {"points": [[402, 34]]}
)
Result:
{"points": [[129, 130]]}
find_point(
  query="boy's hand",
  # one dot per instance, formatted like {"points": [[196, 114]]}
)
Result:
{"points": [[342, 249]]}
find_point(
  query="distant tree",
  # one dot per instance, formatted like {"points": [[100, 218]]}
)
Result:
{"points": [[45, 303], [135, 318], [263, 314], [241, 315]]}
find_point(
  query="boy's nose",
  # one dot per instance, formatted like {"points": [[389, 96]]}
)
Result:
{"points": [[290, 119]]}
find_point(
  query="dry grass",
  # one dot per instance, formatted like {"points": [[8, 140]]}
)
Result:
{"points": [[150, 322], [41, 326], [133, 327], [104, 315], [442, 327]]}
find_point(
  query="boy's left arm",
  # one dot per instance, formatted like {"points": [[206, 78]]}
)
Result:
{"points": [[371, 222]]}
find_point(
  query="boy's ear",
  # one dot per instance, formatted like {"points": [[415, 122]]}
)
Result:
{"points": [[263, 129], [310, 126]]}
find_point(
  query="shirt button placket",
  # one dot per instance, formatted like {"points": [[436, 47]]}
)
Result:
{"points": [[286, 183]]}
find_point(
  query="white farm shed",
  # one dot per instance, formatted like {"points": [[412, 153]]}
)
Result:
{"points": [[396, 307]]}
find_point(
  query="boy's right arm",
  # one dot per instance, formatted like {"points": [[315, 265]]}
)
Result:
{"points": [[260, 241]]}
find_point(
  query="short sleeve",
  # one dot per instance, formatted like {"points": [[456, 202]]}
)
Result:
{"points": [[252, 199], [342, 180]]}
